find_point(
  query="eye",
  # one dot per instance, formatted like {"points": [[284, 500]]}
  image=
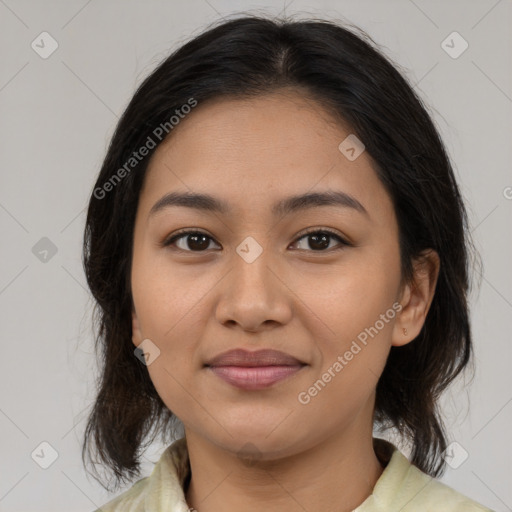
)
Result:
{"points": [[319, 239], [197, 241]]}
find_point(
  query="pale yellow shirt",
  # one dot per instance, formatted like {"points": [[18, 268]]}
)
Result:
{"points": [[401, 487]]}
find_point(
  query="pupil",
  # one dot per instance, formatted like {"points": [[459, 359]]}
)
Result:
{"points": [[199, 246], [319, 245]]}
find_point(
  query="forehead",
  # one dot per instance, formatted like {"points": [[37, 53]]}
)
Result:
{"points": [[258, 150]]}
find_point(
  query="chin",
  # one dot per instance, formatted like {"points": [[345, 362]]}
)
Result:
{"points": [[265, 441]]}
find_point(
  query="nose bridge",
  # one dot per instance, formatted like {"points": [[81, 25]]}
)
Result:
{"points": [[252, 273], [253, 293]]}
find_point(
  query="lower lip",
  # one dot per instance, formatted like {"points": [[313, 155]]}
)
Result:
{"points": [[258, 377]]}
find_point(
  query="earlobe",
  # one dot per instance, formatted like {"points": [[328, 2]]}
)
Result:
{"points": [[136, 330], [416, 298]]}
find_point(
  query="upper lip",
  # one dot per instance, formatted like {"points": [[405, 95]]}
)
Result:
{"points": [[265, 357]]}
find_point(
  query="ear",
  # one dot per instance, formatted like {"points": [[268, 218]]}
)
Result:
{"points": [[416, 298], [137, 337]]}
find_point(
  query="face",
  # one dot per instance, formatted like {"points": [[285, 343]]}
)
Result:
{"points": [[318, 281]]}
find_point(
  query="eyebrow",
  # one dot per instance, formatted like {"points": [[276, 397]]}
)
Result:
{"points": [[208, 203]]}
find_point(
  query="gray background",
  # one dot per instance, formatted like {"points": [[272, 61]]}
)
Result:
{"points": [[57, 115]]}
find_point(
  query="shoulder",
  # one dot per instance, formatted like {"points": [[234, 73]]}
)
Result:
{"points": [[402, 486], [132, 500], [430, 494], [433, 495], [162, 490]]}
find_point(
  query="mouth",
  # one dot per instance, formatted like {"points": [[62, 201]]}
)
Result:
{"points": [[254, 370]]}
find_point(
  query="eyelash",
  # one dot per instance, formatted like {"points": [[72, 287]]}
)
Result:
{"points": [[181, 234]]}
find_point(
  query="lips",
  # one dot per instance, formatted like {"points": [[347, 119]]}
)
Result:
{"points": [[240, 357], [253, 370]]}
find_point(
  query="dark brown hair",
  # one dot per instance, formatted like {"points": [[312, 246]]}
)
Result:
{"points": [[344, 71]]}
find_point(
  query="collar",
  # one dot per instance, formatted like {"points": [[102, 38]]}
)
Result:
{"points": [[174, 467]]}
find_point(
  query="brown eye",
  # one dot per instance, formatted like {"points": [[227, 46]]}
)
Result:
{"points": [[197, 241], [191, 241], [319, 240]]}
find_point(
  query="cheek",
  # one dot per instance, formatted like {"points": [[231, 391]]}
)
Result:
{"points": [[354, 320], [166, 304], [167, 296], [170, 318], [352, 296], [353, 356]]}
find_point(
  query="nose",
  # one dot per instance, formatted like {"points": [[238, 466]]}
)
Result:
{"points": [[254, 295]]}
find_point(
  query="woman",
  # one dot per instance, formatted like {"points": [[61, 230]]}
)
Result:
{"points": [[279, 253]]}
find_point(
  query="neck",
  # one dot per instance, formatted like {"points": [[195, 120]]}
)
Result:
{"points": [[337, 474]]}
